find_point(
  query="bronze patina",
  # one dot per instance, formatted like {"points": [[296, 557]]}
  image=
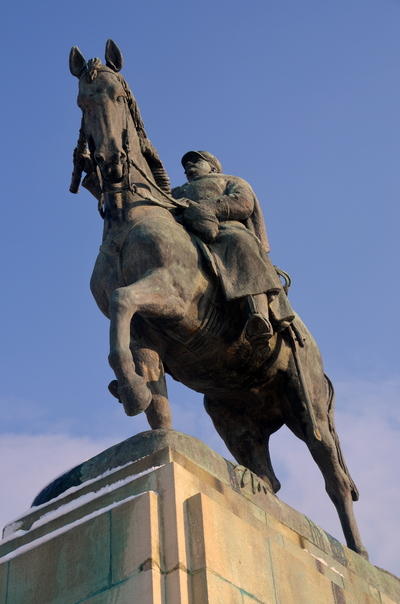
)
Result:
{"points": [[186, 281]]}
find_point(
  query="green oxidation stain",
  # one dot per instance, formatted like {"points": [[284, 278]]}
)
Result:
{"points": [[337, 550], [233, 479], [7, 580], [317, 534]]}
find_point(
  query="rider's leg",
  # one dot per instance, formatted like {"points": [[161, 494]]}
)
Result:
{"points": [[258, 326], [267, 313]]}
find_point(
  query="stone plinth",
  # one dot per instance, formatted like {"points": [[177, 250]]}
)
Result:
{"points": [[162, 519]]}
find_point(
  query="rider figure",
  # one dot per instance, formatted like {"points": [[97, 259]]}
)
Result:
{"points": [[225, 214]]}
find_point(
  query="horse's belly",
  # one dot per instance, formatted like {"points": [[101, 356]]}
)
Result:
{"points": [[225, 369]]}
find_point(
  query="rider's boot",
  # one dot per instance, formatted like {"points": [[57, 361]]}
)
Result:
{"points": [[258, 328], [281, 313]]}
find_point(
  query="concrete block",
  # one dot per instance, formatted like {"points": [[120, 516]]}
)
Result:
{"points": [[229, 548], [3, 582], [174, 486], [138, 589], [296, 581], [207, 588], [356, 587], [177, 587], [172, 495], [358, 597], [283, 530], [250, 600], [387, 600], [374, 593], [135, 537], [66, 568], [191, 535], [319, 561]]}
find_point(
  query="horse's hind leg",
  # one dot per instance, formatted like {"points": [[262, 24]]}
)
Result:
{"points": [[246, 437], [149, 365], [326, 451], [338, 486], [338, 483]]}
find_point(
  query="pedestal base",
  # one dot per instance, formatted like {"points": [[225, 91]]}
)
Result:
{"points": [[162, 519]]}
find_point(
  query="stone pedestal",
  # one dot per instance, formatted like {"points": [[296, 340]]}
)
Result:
{"points": [[162, 519]]}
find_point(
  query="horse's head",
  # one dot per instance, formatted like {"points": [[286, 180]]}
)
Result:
{"points": [[103, 97]]}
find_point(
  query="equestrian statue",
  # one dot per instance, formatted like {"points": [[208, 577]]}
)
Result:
{"points": [[185, 278]]}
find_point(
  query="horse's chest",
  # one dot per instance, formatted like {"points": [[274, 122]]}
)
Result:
{"points": [[107, 272]]}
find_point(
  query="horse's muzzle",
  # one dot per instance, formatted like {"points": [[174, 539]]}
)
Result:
{"points": [[114, 170]]}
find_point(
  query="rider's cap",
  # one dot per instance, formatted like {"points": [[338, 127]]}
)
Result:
{"points": [[211, 159]]}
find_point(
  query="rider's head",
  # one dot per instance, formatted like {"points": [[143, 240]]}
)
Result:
{"points": [[200, 163]]}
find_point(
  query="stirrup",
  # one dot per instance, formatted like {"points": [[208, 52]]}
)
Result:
{"points": [[283, 323]]}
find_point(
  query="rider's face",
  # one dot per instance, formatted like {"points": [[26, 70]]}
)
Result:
{"points": [[197, 166]]}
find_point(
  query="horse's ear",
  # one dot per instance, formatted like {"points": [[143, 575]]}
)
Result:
{"points": [[77, 62], [114, 58]]}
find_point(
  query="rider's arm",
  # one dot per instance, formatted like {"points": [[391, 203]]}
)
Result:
{"points": [[204, 215], [237, 202]]}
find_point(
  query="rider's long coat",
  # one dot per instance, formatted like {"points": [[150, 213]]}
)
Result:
{"points": [[240, 250]]}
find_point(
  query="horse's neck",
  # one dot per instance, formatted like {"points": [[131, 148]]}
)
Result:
{"points": [[125, 203], [124, 209], [136, 154], [118, 200]]}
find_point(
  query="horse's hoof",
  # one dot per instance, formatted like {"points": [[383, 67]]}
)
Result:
{"points": [[113, 388], [363, 553], [135, 397]]}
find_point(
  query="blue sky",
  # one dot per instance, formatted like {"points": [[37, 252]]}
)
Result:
{"points": [[299, 98]]}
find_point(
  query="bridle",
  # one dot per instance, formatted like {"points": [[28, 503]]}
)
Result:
{"points": [[170, 203]]}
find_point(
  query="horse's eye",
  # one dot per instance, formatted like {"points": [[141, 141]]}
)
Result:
{"points": [[120, 99]]}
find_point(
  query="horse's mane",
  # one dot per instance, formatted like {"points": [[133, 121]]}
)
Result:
{"points": [[93, 67]]}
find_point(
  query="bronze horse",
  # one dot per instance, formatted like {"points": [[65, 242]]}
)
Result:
{"points": [[166, 311]]}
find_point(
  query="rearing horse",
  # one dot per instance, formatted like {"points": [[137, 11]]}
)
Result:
{"points": [[166, 310]]}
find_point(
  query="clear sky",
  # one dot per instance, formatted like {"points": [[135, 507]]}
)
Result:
{"points": [[302, 100]]}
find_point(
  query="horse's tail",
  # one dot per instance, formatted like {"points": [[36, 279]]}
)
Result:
{"points": [[332, 429]]}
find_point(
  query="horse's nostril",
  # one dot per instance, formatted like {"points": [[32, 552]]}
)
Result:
{"points": [[119, 158], [99, 159]]}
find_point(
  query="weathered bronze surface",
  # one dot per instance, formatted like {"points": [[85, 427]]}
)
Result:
{"points": [[189, 289]]}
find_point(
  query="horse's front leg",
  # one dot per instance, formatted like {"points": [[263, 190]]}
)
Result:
{"points": [[153, 296], [149, 365]]}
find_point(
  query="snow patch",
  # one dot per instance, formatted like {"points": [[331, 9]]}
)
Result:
{"points": [[66, 528], [323, 562], [13, 530], [86, 498]]}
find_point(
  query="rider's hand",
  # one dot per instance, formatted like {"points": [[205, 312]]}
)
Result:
{"points": [[200, 219]]}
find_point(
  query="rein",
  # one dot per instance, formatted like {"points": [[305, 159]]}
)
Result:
{"points": [[170, 203]]}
